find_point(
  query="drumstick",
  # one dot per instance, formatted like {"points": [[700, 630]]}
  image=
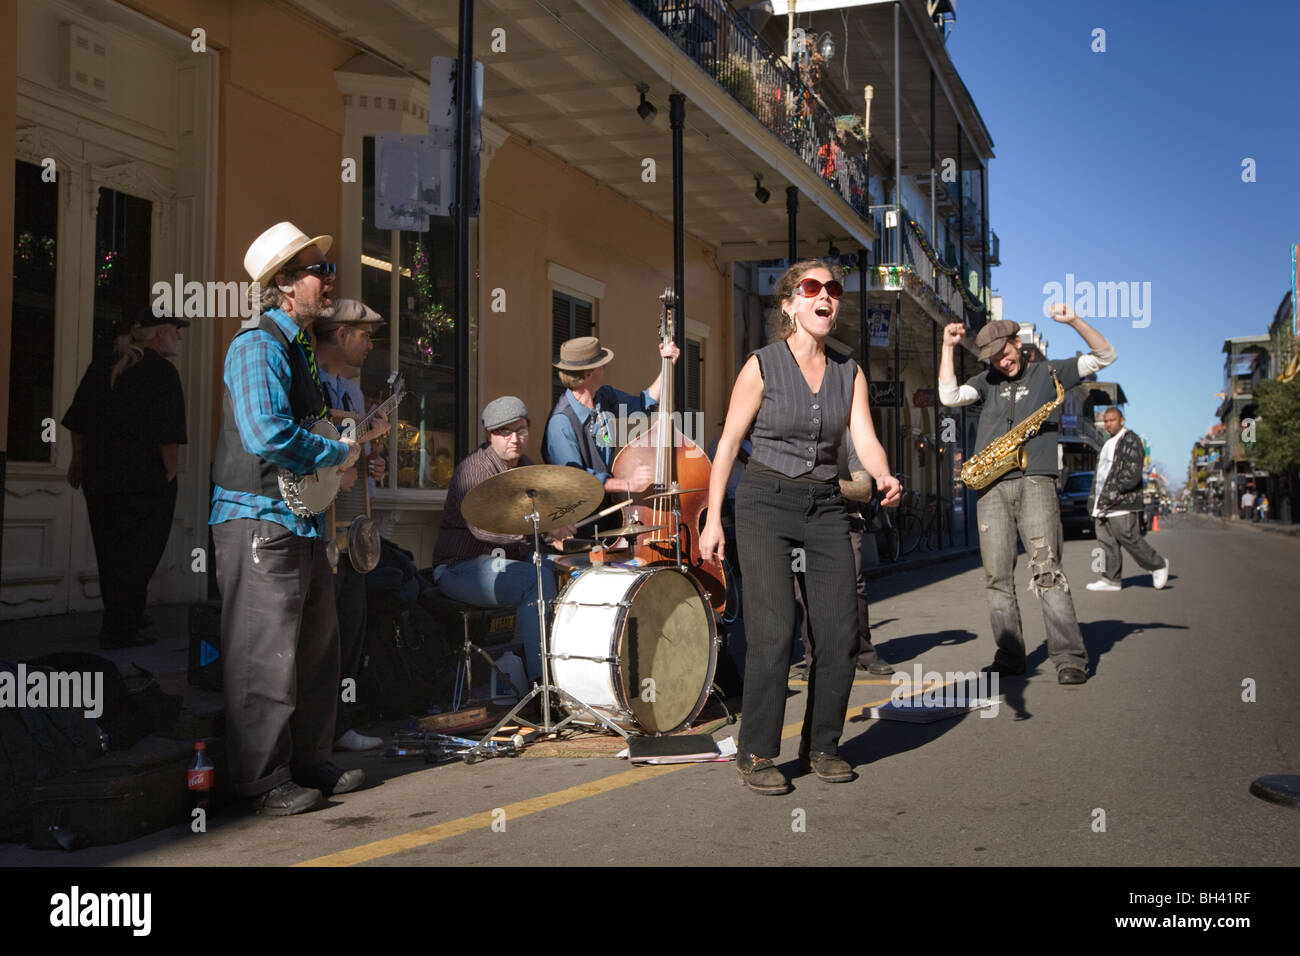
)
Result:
{"points": [[600, 514]]}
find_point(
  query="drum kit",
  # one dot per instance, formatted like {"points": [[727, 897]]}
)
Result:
{"points": [[630, 648]]}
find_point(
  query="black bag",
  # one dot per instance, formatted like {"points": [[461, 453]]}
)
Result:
{"points": [[407, 665], [132, 708], [37, 744]]}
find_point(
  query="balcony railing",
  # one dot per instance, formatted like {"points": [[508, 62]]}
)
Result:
{"points": [[908, 263], [726, 47]]}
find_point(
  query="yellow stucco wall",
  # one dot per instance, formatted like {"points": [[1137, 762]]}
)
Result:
{"points": [[537, 210], [280, 128]]}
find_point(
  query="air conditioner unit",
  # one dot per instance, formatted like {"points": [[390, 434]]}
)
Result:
{"points": [[84, 62]]}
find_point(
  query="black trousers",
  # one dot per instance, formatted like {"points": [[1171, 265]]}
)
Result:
{"points": [[280, 642], [783, 528], [130, 534], [350, 603], [867, 653]]}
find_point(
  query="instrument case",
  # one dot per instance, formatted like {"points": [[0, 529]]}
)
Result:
{"points": [[121, 796], [204, 668]]}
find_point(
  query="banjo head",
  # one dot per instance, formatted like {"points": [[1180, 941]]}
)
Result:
{"points": [[315, 492]]}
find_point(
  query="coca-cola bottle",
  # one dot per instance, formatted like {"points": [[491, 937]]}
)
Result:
{"points": [[199, 778]]}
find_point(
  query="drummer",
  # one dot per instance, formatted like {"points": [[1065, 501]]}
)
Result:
{"points": [[478, 567]]}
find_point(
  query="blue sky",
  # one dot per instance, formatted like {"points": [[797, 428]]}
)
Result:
{"points": [[1126, 166]]}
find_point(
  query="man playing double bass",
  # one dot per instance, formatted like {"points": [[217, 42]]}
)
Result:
{"points": [[581, 430]]}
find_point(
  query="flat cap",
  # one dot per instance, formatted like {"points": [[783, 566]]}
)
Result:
{"points": [[503, 411], [349, 313], [993, 337]]}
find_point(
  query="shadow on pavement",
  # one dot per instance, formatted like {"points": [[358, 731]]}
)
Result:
{"points": [[900, 650], [1100, 636], [885, 738]]}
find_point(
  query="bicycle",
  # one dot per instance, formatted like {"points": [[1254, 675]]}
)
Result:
{"points": [[922, 525]]}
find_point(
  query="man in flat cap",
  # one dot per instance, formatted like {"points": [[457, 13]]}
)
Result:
{"points": [[1024, 502], [465, 567], [279, 630], [128, 423], [582, 426]]}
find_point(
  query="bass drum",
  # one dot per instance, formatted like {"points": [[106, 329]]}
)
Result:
{"points": [[638, 645]]}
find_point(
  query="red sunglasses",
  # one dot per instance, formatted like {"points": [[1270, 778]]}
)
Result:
{"points": [[810, 288]]}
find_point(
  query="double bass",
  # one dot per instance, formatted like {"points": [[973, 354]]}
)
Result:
{"points": [[679, 463]]}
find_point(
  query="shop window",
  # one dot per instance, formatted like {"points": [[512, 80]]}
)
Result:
{"points": [[31, 337], [123, 238], [418, 313]]}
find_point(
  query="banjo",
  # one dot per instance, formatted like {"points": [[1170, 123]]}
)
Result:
{"points": [[308, 495]]}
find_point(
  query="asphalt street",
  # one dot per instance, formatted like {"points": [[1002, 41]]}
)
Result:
{"points": [[1149, 763]]}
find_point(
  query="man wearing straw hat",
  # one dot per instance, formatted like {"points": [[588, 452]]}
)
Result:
{"points": [[279, 630]]}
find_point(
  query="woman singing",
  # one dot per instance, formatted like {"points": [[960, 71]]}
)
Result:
{"points": [[798, 396]]}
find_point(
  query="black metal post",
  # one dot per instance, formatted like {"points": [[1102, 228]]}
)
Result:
{"points": [[984, 237], [677, 122], [792, 216], [961, 230], [864, 338], [464, 194], [965, 448], [898, 380]]}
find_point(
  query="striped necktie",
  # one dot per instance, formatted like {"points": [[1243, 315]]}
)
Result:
{"points": [[303, 339]]}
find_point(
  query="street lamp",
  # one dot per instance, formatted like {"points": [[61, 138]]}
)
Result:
{"points": [[826, 45]]}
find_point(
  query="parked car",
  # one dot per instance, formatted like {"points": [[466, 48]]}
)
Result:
{"points": [[1074, 503]]}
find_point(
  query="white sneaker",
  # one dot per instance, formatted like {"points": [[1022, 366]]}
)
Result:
{"points": [[354, 742], [1160, 576], [1103, 585]]}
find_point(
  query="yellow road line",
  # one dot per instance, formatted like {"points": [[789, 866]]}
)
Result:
{"points": [[547, 801]]}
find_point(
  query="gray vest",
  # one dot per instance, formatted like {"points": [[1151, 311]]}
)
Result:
{"points": [[797, 432], [233, 468]]}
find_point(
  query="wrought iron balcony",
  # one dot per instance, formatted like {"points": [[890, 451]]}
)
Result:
{"points": [[909, 263], [726, 47]]}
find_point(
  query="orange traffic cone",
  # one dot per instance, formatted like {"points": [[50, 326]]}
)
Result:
{"points": [[1155, 523]]}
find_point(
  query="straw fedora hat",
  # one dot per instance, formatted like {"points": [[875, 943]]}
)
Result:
{"points": [[580, 354], [275, 247]]}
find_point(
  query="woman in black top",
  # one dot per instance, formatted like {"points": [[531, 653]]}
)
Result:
{"points": [[128, 423], [798, 396]]}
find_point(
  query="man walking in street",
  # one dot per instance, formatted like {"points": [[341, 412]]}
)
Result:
{"points": [[1024, 502], [1114, 504]]}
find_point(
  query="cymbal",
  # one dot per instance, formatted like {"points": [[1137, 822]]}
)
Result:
{"points": [[631, 529], [671, 492], [560, 494]]}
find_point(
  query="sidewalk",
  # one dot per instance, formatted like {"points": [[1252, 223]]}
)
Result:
{"points": [[920, 559], [1266, 527]]}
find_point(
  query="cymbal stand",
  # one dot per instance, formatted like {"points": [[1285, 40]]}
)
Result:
{"points": [[546, 687]]}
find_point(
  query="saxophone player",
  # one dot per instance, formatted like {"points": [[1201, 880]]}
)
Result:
{"points": [[1023, 501]]}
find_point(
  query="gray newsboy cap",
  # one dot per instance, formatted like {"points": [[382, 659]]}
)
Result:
{"points": [[503, 411]]}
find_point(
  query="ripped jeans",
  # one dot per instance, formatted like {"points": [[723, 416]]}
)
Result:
{"points": [[1027, 506]]}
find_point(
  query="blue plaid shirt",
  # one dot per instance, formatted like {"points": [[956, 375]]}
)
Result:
{"points": [[258, 375]]}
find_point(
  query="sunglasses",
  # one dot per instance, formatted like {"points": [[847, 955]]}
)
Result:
{"points": [[810, 288], [319, 269]]}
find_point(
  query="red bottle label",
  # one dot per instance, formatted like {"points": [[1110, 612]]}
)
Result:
{"points": [[200, 779]]}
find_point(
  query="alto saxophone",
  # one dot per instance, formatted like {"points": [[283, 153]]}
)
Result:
{"points": [[1008, 452]]}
